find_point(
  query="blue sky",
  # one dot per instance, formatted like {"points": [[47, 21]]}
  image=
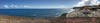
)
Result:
{"points": [[37, 3]]}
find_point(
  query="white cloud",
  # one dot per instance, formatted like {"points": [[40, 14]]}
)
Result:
{"points": [[95, 2], [53, 6], [6, 6], [30, 6], [16, 6], [87, 2]]}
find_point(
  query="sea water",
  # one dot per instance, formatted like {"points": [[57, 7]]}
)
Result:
{"points": [[32, 12]]}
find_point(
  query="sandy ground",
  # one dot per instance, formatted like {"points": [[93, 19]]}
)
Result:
{"points": [[14, 19]]}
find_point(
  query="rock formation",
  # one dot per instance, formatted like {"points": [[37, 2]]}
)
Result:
{"points": [[85, 11], [84, 14]]}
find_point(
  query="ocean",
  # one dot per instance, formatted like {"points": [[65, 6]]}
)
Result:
{"points": [[32, 12]]}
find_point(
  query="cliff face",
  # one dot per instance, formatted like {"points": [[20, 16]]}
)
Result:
{"points": [[87, 11], [80, 14], [87, 14]]}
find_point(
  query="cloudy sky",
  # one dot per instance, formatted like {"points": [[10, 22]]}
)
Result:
{"points": [[37, 3]]}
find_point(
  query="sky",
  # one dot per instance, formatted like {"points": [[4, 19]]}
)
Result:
{"points": [[36, 4]]}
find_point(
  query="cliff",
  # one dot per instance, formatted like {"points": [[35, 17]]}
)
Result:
{"points": [[84, 14], [85, 11]]}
